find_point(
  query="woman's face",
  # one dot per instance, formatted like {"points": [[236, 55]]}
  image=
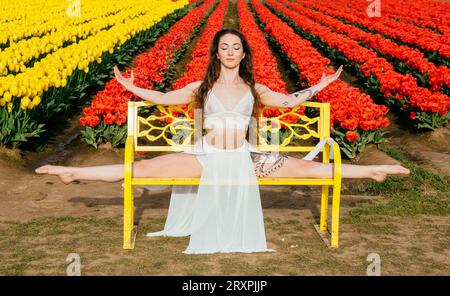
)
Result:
{"points": [[230, 51]]}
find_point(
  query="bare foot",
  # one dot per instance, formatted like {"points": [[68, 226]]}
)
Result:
{"points": [[64, 173], [380, 172]]}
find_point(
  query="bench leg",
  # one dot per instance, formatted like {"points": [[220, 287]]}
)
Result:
{"points": [[335, 215], [324, 209], [129, 231]]}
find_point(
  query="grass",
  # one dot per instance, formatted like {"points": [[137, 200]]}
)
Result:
{"points": [[420, 179], [422, 193], [12, 155], [42, 245]]}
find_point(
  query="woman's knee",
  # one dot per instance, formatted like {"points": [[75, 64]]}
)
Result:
{"points": [[143, 168], [304, 164], [171, 165], [301, 168], [313, 169]]}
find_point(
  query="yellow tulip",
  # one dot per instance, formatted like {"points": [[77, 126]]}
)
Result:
{"points": [[33, 93], [36, 100], [24, 102], [7, 97], [14, 91], [10, 106]]}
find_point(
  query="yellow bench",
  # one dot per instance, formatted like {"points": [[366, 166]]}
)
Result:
{"points": [[145, 130]]}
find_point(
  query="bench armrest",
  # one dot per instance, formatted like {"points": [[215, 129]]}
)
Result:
{"points": [[336, 159], [129, 155]]}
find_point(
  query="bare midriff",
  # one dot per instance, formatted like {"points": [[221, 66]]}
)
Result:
{"points": [[225, 138]]}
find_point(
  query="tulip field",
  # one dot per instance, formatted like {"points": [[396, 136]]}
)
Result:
{"points": [[61, 105], [50, 62]]}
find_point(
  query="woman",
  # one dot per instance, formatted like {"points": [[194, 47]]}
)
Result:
{"points": [[225, 217]]}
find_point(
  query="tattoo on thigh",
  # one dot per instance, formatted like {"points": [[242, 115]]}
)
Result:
{"points": [[267, 163]]}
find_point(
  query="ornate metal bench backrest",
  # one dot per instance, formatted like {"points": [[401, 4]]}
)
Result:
{"points": [[173, 127]]}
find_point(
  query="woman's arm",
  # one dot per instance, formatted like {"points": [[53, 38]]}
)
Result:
{"points": [[275, 99], [175, 97]]}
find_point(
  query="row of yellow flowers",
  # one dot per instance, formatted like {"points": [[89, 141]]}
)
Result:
{"points": [[13, 12], [15, 57], [35, 18], [55, 68]]}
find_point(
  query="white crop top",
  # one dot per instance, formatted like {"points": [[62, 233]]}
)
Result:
{"points": [[216, 116]]}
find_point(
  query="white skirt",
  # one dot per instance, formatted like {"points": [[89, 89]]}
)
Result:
{"points": [[223, 213]]}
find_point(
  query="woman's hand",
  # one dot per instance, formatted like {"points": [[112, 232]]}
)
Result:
{"points": [[330, 78], [126, 82]]}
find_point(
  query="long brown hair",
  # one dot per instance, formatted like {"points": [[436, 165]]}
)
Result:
{"points": [[213, 71]]}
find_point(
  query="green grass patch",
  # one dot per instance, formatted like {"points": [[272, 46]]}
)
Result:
{"points": [[421, 193], [419, 179]]}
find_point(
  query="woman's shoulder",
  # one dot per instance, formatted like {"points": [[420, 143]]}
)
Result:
{"points": [[259, 86], [197, 83]]}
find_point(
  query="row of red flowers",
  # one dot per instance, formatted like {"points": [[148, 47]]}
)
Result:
{"points": [[397, 30], [422, 13], [391, 82], [110, 104], [438, 75], [350, 109]]}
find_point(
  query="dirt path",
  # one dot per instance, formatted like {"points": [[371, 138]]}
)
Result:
{"points": [[430, 149]]}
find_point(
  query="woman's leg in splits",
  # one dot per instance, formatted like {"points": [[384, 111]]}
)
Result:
{"points": [[169, 165], [279, 165], [187, 165]]}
